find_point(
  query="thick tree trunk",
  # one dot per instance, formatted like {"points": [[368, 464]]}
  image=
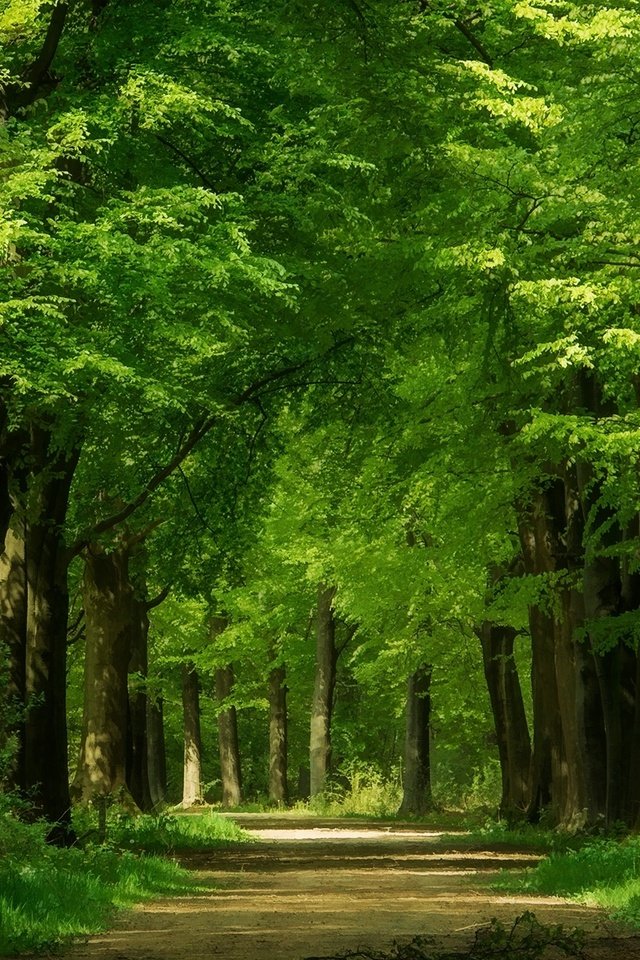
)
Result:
{"points": [[108, 604], [228, 739], [551, 534], [13, 645], [548, 765], [278, 791], [192, 775], [507, 706], [323, 691], [156, 752], [549, 768], [138, 760], [416, 797], [46, 769]]}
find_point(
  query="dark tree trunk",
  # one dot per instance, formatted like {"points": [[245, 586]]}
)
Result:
{"points": [[138, 761], [507, 706], [156, 751], [46, 769], [228, 739], [192, 778], [278, 791], [323, 691], [108, 605], [551, 533], [416, 797], [549, 768]]}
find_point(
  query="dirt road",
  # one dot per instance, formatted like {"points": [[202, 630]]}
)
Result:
{"points": [[319, 887]]}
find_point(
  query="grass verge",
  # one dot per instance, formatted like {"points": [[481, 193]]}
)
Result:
{"points": [[49, 895], [602, 872]]}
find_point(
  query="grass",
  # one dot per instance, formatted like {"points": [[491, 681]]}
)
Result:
{"points": [[525, 837], [49, 895], [170, 833], [604, 872]]}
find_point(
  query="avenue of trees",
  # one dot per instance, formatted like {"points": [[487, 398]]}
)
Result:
{"points": [[319, 402]]}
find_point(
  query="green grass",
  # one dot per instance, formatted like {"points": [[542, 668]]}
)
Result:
{"points": [[603, 872], [525, 837], [174, 833], [48, 895], [65, 893]]}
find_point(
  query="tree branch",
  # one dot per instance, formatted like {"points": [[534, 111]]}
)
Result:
{"points": [[107, 523], [201, 428], [189, 162], [464, 29], [162, 596], [37, 76]]}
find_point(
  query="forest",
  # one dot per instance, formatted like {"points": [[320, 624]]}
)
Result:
{"points": [[319, 409]]}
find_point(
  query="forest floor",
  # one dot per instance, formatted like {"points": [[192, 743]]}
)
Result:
{"points": [[315, 888]]}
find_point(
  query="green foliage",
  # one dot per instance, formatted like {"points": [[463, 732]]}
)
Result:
{"points": [[367, 793]]}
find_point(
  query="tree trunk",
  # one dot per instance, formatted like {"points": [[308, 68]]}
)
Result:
{"points": [[551, 534], [46, 765], [138, 760], [512, 731], [13, 645], [416, 797], [548, 767], [323, 691], [108, 604], [156, 752], [278, 791], [192, 780], [228, 740]]}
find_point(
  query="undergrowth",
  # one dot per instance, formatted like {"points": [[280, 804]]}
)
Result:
{"points": [[163, 833], [48, 895], [499, 835], [604, 872]]}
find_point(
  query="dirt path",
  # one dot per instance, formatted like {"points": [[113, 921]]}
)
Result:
{"points": [[315, 888]]}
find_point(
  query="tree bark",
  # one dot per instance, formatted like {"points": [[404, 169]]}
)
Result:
{"points": [[228, 739], [156, 751], [138, 759], [278, 790], [548, 767], [13, 645], [46, 769], [507, 706], [108, 604], [416, 781], [192, 778], [323, 691], [551, 534]]}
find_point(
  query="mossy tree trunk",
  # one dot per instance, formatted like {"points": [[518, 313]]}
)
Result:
{"points": [[13, 645], [108, 603], [228, 742]]}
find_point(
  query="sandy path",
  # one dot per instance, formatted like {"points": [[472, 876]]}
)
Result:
{"points": [[316, 888]]}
